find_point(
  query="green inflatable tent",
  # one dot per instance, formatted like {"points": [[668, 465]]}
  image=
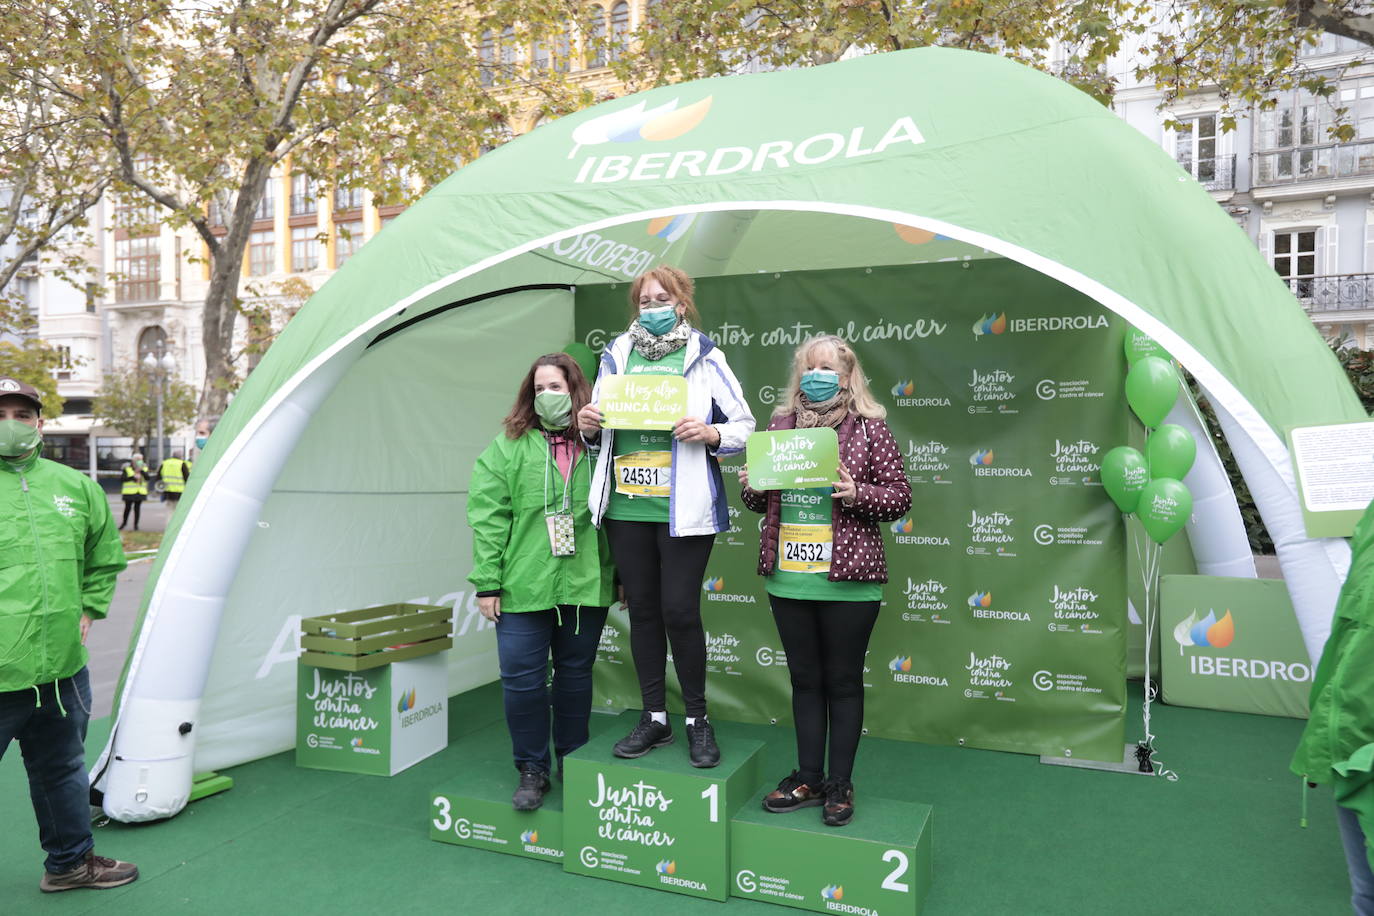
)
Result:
{"points": [[333, 475]]}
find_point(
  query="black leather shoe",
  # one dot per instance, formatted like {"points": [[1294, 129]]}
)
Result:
{"points": [[701, 744], [534, 782], [643, 738], [794, 792]]}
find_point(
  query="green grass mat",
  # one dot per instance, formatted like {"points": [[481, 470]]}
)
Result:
{"points": [[1013, 835]]}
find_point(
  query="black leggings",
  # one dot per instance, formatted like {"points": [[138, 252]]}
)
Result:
{"points": [[136, 505], [662, 577], [825, 642]]}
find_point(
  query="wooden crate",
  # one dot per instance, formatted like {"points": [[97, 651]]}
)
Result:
{"points": [[358, 640]]}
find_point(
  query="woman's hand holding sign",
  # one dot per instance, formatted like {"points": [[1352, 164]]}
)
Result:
{"points": [[589, 420], [690, 429], [845, 490]]}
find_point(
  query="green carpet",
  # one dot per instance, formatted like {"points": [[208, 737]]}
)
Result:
{"points": [[1011, 835]]}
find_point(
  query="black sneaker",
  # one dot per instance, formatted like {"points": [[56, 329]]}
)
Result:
{"points": [[793, 793], [839, 802], [93, 871], [534, 782], [643, 738], [701, 744]]}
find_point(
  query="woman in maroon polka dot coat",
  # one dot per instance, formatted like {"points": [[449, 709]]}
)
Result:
{"points": [[822, 554]]}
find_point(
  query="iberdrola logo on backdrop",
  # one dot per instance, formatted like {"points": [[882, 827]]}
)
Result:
{"points": [[900, 663], [904, 388], [833, 892], [530, 836], [640, 122], [903, 526], [990, 324], [1208, 632], [666, 867], [980, 599], [982, 456], [715, 584]]}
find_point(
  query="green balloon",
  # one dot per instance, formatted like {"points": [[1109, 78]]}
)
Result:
{"points": [[1139, 346], [1151, 389], [1165, 505], [1170, 451], [1124, 475]]}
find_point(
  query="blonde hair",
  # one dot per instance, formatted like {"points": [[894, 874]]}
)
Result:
{"points": [[858, 398], [675, 283]]}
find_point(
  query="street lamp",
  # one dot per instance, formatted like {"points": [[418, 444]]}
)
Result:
{"points": [[160, 365]]}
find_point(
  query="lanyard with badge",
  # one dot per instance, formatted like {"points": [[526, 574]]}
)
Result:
{"points": [[562, 534]]}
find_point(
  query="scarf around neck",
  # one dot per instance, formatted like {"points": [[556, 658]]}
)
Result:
{"points": [[653, 347], [825, 413]]}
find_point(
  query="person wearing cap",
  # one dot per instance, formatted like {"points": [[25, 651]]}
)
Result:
{"points": [[60, 555]]}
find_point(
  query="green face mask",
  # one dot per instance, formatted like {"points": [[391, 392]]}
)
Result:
{"points": [[554, 409], [17, 438]]}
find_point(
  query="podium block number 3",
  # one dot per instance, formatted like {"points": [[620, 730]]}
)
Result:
{"points": [[712, 795], [903, 863]]}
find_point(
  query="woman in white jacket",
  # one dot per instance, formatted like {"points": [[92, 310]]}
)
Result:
{"points": [[662, 500]]}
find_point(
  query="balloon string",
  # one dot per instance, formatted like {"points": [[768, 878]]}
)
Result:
{"points": [[1146, 749]]}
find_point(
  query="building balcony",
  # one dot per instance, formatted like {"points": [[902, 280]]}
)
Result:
{"points": [[1327, 162], [1323, 296], [1215, 174]]}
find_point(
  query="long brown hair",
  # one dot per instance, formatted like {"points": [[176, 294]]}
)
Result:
{"points": [[522, 417], [675, 283]]}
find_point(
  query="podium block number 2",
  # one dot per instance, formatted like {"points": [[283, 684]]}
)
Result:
{"points": [[891, 883], [712, 795]]}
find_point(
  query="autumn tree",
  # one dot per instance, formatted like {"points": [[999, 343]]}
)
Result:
{"points": [[127, 403], [201, 103]]}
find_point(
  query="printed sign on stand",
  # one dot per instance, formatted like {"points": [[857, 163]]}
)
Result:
{"points": [[787, 459], [643, 401], [1334, 467]]}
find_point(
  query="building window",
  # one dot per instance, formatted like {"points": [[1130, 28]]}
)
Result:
{"points": [[267, 207], [620, 30], [1294, 142], [347, 199], [1195, 147], [510, 52], [305, 248], [262, 252], [486, 56], [152, 340], [348, 238], [596, 36], [539, 56], [138, 262], [302, 195], [1295, 259], [91, 289]]}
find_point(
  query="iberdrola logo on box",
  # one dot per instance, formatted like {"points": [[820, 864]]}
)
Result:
{"points": [[530, 836], [832, 892], [1208, 632], [407, 701], [666, 867]]}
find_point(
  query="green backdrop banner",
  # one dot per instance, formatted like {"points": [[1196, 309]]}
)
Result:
{"points": [[1003, 622]]}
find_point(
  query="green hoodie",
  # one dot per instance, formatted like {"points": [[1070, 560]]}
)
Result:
{"points": [[514, 484], [59, 556], [1337, 745]]}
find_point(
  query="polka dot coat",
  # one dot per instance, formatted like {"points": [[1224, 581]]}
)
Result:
{"points": [[882, 494]]}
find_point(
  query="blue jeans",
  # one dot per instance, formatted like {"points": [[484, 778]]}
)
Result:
{"points": [[1357, 861], [53, 748], [524, 643]]}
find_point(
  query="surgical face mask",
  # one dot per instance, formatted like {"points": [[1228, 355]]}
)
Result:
{"points": [[658, 321], [820, 385], [554, 409], [17, 438], [200, 441]]}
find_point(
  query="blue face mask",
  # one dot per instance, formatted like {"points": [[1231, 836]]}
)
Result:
{"points": [[200, 441], [658, 321], [820, 385]]}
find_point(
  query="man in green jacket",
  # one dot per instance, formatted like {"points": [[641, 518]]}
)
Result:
{"points": [[59, 556], [1337, 745]]}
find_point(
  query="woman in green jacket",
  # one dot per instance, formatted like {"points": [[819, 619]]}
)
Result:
{"points": [[542, 572]]}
